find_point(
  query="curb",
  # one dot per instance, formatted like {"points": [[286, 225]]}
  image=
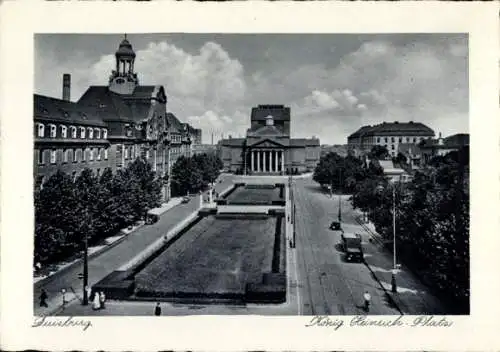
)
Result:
{"points": [[48, 279], [388, 295]]}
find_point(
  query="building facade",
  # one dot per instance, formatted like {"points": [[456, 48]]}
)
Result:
{"points": [[389, 135], [441, 146], [267, 147], [109, 126]]}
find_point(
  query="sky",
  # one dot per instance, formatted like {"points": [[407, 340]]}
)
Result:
{"points": [[333, 83]]}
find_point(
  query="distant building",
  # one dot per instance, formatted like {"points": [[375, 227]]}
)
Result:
{"points": [[205, 149], [389, 135], [109, 126], [392, 172], [442, 146], [340, 149], [267, 147]]}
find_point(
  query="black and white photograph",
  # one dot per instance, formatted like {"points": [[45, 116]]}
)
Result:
{"points": [[264, 177], [269, 174]]}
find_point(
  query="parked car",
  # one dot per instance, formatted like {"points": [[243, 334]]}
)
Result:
{"points": [[336, 226], [185, 199]]}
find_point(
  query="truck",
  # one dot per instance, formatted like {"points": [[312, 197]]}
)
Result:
{"points": [[351, 244]]}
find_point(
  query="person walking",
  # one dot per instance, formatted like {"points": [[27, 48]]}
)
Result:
{"points": [[96, 304], [367, 298], [158, 309], [102, 300], [43, 299]]}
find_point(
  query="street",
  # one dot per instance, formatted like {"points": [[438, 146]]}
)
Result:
{"points": [[327, 284]]}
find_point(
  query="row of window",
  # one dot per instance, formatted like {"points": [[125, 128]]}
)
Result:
{"points": [[74, 132], [400, 139], [41, 179], [70, 155]]}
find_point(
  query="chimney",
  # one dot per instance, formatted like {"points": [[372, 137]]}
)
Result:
{"points": [[66, 91]]}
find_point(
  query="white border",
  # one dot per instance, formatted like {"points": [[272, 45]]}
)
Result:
{"points": [[20, 19]]}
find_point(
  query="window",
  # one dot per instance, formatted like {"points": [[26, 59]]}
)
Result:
{"points": [[106, 154], [386, 139], [53, 131], [378, 139], [99, 151], [407, 140], [41, 130], [125, 152], [91, 154], [91, 132], [73, 131], [392, 139], [40, 157], [414, 140], [64, 131], [82, 132], [392, 147], [53, 156], [97, 133], [400, 140], [104, 133], [65, 156], [84, 154]]}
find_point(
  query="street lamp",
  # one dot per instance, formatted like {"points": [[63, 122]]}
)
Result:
{"points": [[394, 264], [340, 196], [85, 270]]}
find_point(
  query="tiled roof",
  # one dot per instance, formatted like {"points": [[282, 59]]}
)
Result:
{"points": [[64, 111], [111, 106], [460, 139], [278, 112], [394, 128], [175, 124], [310, 142]]}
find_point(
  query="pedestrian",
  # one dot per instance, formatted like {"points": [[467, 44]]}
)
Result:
{"points": [[102, 300], [88, 289], [158, 309], [367, 298], [43, 299], [96, 304]]}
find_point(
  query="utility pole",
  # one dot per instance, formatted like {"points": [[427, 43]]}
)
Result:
{"points": [[85, 262], [340, 196]]}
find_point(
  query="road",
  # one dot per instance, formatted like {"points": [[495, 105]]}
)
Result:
{"points": [[327, 284], [113, 258]]}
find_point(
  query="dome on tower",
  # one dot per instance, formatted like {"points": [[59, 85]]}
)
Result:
{"points": [[125, 49]]}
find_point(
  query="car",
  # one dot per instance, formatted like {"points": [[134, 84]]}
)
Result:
{"points": [[185, 199], [335, 226]]}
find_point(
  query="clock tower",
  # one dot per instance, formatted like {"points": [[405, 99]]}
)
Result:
{"points": [[123, 80]]}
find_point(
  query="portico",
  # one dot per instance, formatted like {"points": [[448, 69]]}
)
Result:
{"points": [[267, 160]]}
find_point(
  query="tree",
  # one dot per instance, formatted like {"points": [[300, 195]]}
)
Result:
{"points": [[378, 152], [56, 218], [186, 176], [86, 192]]}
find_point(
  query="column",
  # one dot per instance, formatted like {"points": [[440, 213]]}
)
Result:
{"points": [[266, 161], [258, 160], [283, 161], [251, 162], [275, 161]]}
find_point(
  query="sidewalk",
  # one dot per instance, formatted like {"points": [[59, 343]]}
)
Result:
{"points": [[412, 296]]}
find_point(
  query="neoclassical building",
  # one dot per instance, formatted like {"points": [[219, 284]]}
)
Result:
{"points": [[109, 126], [267, 147]]}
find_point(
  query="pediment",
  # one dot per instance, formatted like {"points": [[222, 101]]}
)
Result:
{"points": [[266, 143]]}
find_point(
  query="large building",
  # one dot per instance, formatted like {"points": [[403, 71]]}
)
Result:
{"points": [[109, 126], [389, 135], [267, 147]]}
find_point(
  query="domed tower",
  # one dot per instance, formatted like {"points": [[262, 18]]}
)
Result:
{"points": [[123, 80]]}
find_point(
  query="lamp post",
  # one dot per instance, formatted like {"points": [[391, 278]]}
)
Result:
{"points": [[340, 196], [85, 269], [394, 287]]}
